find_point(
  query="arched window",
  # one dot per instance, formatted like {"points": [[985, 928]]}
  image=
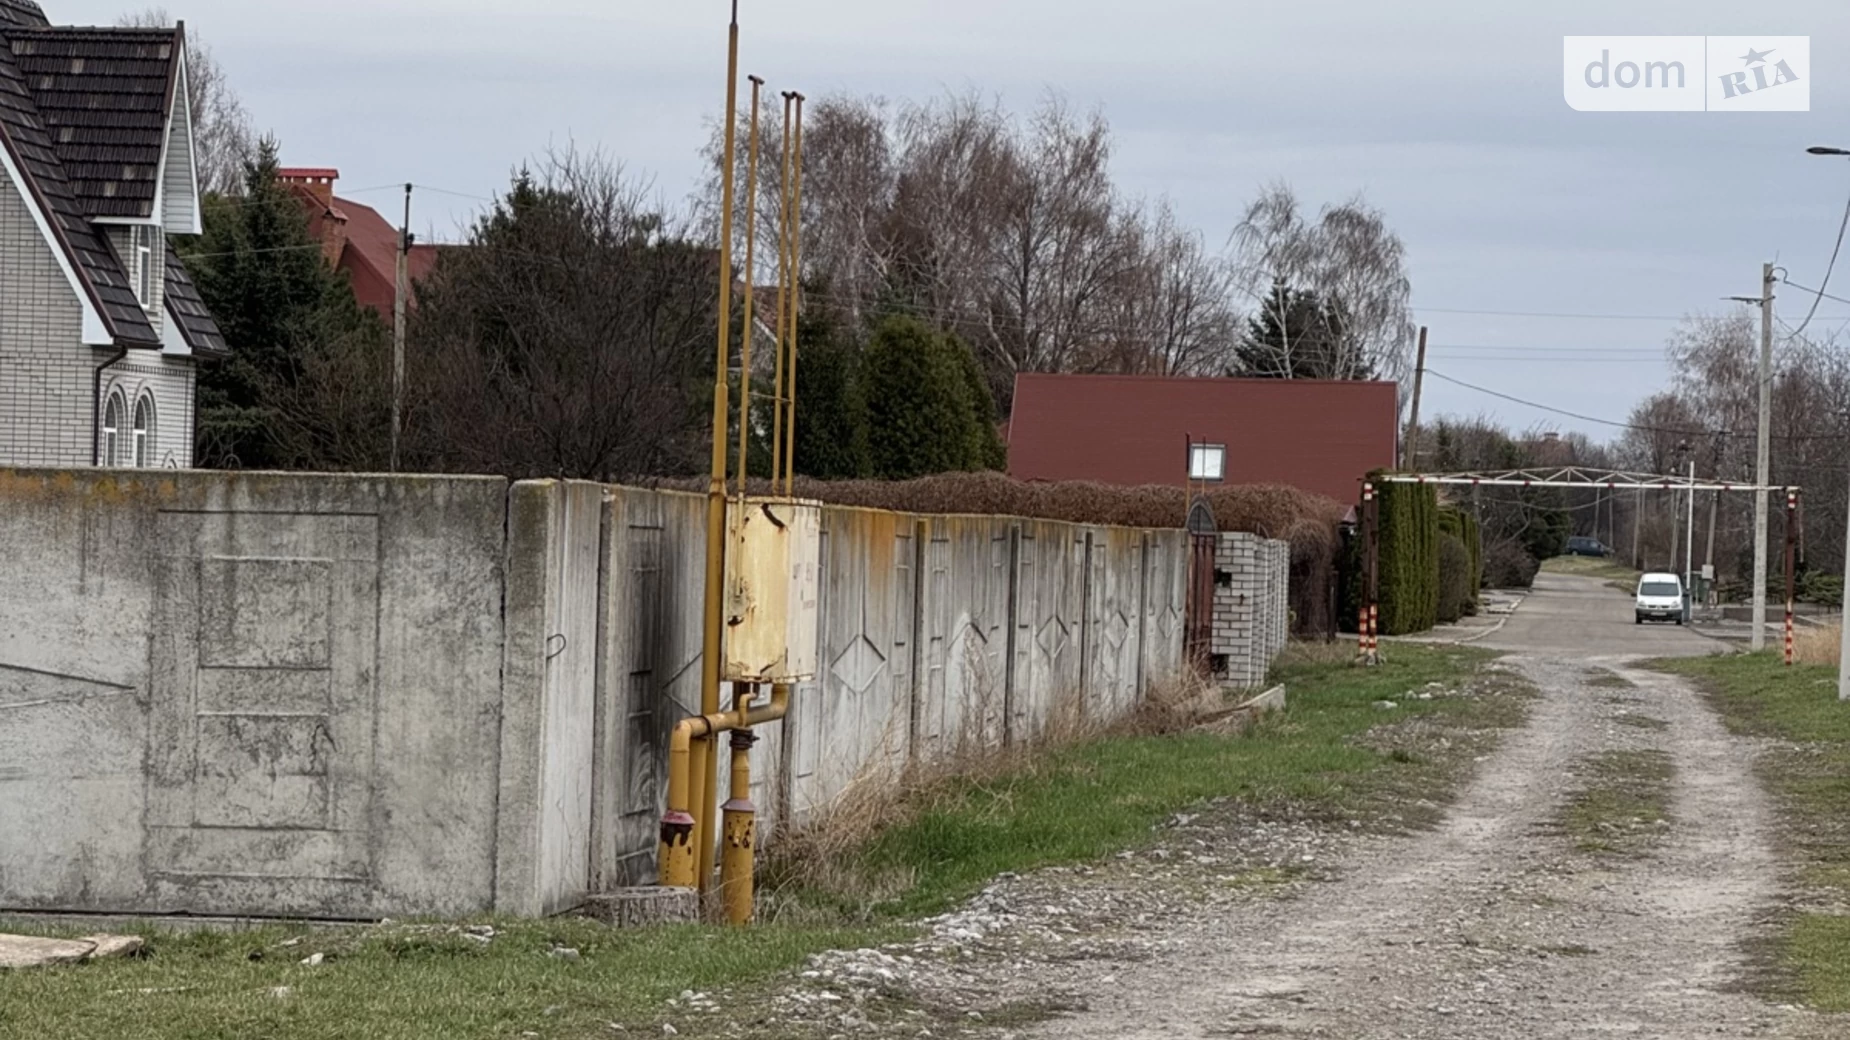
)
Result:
{"points": [[112, 431], [144, 431]]}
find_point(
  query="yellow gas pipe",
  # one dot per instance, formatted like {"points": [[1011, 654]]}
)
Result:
{"points": [[679, 861]]}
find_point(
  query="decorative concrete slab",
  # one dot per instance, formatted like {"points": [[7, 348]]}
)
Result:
{"points": [[30, 951], [644, 906], [26, 951]]}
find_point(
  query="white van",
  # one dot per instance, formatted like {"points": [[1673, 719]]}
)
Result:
{"points": [[1660, 598]]}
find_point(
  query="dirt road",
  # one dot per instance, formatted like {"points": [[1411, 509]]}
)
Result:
{"points": [[1514, 918], [1496, 924]]}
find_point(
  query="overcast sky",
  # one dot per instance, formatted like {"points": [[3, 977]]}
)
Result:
{"points": [[1447, 114]]}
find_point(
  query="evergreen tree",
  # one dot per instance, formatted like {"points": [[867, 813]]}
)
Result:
{"points": [[921, 420], [277, 302], [1297, 335], [832, 418], [986, 448]]}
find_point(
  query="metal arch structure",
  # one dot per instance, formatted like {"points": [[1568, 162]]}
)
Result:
{"points": [[1575, 477], [1368, 516]]}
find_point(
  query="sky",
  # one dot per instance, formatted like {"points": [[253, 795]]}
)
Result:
{"points": [[1448, 115]]}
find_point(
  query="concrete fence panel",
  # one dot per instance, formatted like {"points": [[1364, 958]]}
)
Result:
{"points": [[249, 693], [335, 696]]}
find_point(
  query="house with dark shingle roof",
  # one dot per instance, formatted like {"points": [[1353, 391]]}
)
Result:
{"points": [[101, 330]]}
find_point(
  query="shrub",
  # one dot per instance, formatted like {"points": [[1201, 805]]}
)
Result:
{"points": [[1817, 587], [1507, 565], [1455, 589]]}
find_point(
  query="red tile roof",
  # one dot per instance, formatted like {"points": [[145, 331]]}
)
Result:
{"points": [[1321, 436], [355, 238], [371, 256]]}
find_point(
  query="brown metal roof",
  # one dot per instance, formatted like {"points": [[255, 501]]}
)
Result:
{"points": [[22, 12], [103, 96], [196, 324], [24, 134], [1321, 436]]}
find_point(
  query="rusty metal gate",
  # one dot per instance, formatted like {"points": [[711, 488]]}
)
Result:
{"points": [[1198, 626], [1199, 641]]}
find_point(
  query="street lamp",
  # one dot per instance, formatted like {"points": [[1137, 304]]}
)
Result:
{"points": [[1843, 647]]}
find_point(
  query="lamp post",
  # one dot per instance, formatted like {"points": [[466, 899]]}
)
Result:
{"points": [[1843, 649]]}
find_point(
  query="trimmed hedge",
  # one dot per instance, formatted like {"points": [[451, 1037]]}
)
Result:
{"points": [[1409, 563], [1463, 526], [1455, 592]]}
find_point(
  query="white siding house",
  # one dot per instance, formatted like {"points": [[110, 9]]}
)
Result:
{"points": [[101, 330]]}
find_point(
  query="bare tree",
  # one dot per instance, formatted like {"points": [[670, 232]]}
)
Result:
{"points": [[1007, 231], [222, 134], [1177, 311], [1347, 259], [570, 337]]}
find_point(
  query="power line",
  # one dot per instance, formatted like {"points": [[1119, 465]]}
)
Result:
{"points": [[1550, 347], [1820, 293], [1553, 314], [1828, 269], [1678, 431], [1533, 359]]}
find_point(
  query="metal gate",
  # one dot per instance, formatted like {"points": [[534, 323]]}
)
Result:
{"points": [[1198, 643]]}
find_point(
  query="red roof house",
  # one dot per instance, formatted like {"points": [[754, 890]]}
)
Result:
{"points": [[1318, 435], [356, 239]]}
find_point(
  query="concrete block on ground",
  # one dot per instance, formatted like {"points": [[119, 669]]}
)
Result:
{"points": [[643, 906]]}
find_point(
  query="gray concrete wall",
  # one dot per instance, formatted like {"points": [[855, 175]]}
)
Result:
{"points": [[249, 694], [259, 694]]}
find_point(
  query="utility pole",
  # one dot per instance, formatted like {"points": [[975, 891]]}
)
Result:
{"points": [[1843, 646], [1689, 545], [1411, 455], [1764, 463], [1637, 507], [398, 329]]}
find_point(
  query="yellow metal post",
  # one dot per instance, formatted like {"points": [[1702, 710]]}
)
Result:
{"points": [[783, 297], [738, 841], [703, 763], [751, 277], [796, 299]]}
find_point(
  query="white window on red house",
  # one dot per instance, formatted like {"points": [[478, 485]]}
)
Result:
{"points": [[1207, 462]]}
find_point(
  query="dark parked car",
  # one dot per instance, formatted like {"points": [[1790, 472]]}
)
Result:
{"points": [[1578, 546]]}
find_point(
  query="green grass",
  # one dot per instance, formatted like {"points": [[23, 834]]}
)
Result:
{"points": [[1642, 722], [1607, 568], [417, 981], [1091, 800], [398, 982], [1807, 770], [1606, 679], [1621, 808]]}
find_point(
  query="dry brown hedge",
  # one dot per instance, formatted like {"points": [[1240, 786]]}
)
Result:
{"points": [[1308, 521], [1267, 510]]}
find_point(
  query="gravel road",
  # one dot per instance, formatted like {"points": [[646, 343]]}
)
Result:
{"points": [[1495, 925]]}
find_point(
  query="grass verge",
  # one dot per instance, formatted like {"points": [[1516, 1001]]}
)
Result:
{"points": [[1806, 767], [1622, 808], [1333, 750], [1613, 572], [400, 982]]}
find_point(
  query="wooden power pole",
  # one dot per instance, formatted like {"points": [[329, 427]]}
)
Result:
{"points": [[1411, 453], [398, 329]]}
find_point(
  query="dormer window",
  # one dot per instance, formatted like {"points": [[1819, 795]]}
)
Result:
{"points": [[141, 245]]}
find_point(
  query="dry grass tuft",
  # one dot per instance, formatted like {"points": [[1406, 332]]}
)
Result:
{"points": [[1817, 644], [822, 856]]}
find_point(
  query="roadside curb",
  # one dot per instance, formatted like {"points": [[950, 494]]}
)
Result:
{"points": [[1502, 620]]}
